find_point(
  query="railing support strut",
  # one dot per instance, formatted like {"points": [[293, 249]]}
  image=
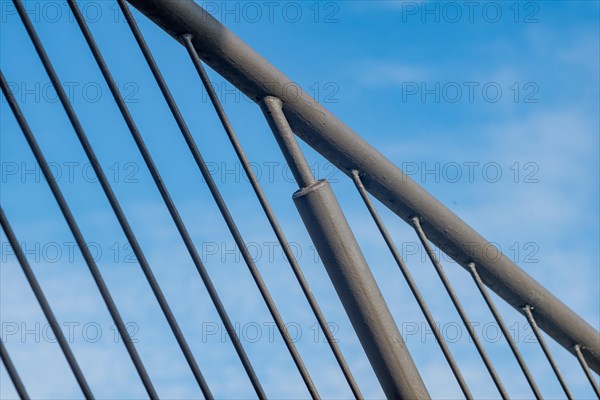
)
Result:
{"points": [[347, 268]]}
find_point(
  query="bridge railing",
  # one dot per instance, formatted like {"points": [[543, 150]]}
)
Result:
{"points": [[292, 114]]}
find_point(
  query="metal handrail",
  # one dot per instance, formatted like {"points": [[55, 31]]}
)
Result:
{"points": [[229, 56]]}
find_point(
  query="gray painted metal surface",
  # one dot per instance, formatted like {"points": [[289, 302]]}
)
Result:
{"points": [[347, 268], [358, 291], [253, 75]]}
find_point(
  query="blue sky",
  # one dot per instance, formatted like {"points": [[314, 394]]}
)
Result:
{"points": [[493, 109]]}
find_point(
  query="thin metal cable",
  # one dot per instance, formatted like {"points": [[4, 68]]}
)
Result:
{"points": [[411, 284], [181, 228], [271, 217], [164, 305], [112, 308], [219, 200], [461, 312], [505, 331], [586, 369], [71, 222], [12, 372], [46, 309], [529, 314]]}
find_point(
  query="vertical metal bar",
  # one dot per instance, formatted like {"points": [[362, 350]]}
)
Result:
{"points": [[348, 270], [586, 369], [271, 216], [461, 311], [12, 372], [505, 331], [220, 202], [43, 302], [74, 227], [546, 350], [411, 284]]}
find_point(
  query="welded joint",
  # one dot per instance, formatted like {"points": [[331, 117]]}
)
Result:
{"points": [[472, 267], [186, 36], [577, 349], [416, 221], [528, 310]]}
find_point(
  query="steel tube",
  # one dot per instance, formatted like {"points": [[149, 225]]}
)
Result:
{"points": [[347, 268], [229, 56], [359, 293]]}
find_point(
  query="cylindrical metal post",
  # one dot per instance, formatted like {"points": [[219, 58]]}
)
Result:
{"points": [[359, 293], [348, 269]]}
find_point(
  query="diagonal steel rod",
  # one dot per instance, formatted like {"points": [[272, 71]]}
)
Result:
{"points": [[12, 372], [586, 369], [411, 284], [81, 243], [213, 294], [43, 302], [461, 311], [113, 310], [219, 201], [546, 350], [154, 285], [505, 331], [271, 216]]}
